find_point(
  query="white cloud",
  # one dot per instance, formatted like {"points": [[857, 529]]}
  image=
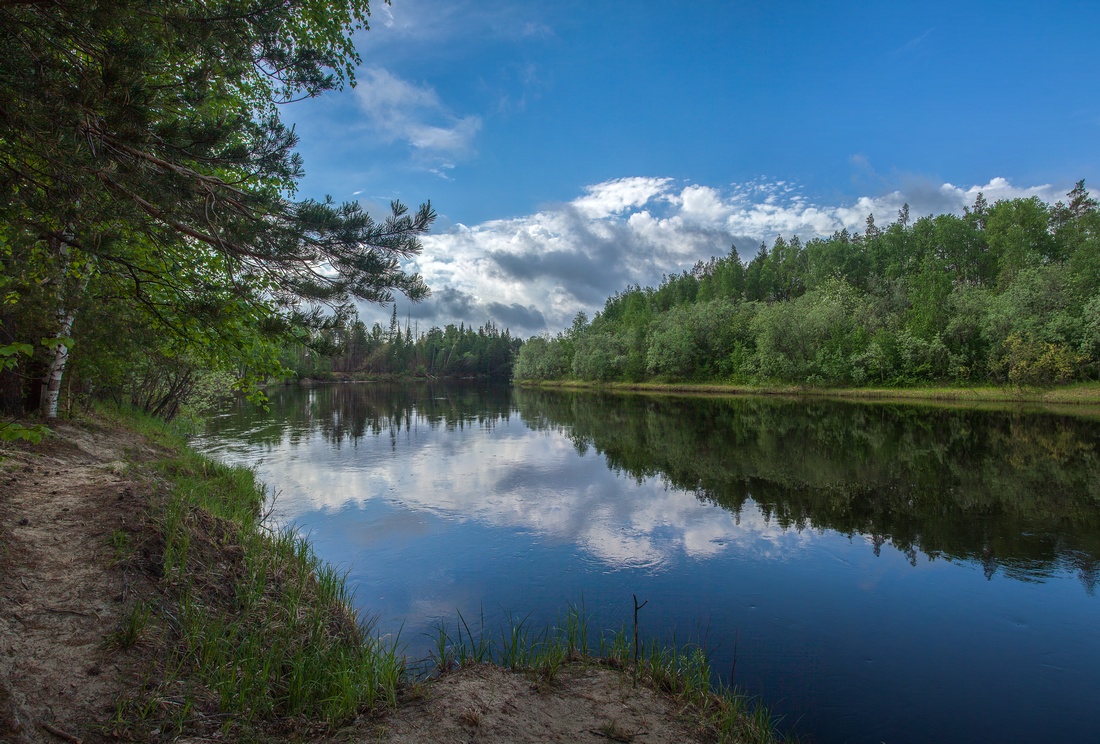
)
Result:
{"points": [[702, 203], [541, 269], [402, 111], [615, 197]]}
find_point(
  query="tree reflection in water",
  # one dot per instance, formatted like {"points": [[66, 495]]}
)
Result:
{"points": [[1014, 492]]}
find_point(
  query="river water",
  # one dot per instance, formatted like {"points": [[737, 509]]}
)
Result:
{"points": [[872, 573]]}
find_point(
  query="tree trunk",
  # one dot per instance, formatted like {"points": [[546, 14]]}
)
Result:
{"points": [[66, 313], [51, 386]]}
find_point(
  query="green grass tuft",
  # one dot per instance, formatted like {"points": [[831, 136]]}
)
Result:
{"points": [[683, 672], [258, 628]]}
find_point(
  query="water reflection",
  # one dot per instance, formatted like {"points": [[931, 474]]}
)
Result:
{"points": [[348, 413], [1017, 493], [840, 547], [1014, 493], [526, 480]]}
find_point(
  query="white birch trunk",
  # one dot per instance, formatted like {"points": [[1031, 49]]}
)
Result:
{"points": [[51, 384]]}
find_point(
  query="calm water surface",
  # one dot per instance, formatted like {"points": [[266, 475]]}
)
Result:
{"points": [[879, 573]]}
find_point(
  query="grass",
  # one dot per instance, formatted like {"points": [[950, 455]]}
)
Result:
{"points": [[132, 627], [1068, 398], [258, 629], [684, 672], [122, 545]]}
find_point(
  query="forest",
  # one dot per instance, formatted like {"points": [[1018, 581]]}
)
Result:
{"points": [[345, 349], [152, 246], [153, 249], [1005, 294]]}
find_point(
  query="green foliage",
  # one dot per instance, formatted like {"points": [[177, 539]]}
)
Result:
{"points": [[257, 625], [9, 354], [11, 431], [1002, 293], [147, 181], [697, 341], [1028, 361], [602, 355], [813, 337], [542, 358], [343, 349], [1019, 236]]}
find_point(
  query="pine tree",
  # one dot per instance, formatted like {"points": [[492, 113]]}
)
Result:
{"points": [[143, 138]]}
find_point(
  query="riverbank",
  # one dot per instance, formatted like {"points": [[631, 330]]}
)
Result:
{"points": [[142, 599], [1077, 394]]}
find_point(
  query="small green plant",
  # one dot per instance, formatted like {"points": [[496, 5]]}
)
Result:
{"points": [[476, 651], [549, 659], [516, 644], [615, 647], [443, 656], [575, 629], [121, 544], [132, 627]]}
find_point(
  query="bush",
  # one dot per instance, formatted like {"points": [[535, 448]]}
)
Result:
{"points": [[1028, 361]]}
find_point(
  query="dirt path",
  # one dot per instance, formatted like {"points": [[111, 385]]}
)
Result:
{"points": [[64, 599], [60, 502]]}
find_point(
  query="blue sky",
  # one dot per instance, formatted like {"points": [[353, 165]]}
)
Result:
{"points": [[573, 148]]}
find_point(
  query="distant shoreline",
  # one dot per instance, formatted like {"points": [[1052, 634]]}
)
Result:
{"points": [[1085, 394]]}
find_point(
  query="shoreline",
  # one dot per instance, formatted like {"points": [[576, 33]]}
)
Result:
{"points": [[197, 643], [1081, 397]]}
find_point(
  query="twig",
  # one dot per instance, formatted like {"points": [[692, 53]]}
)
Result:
{"points": [[623, 737], [636, 608], [733, 666], [65, 735], [62, 611]]}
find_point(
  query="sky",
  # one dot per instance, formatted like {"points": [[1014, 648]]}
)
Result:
{"points": [[572, 149]]}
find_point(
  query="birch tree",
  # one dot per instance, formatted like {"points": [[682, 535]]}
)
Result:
{"points": [[141, 139]]}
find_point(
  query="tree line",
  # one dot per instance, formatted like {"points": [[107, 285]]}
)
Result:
{"points": [[149, 230], [1007, 293], [345, 349]]}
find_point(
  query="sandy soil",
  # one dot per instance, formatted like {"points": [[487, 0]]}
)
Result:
{"points": [[488, 704], [60, 595], [63, 595]]}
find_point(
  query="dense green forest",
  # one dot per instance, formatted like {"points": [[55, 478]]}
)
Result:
{"points": [[347, 350], [151, 245], [1007, 293]]}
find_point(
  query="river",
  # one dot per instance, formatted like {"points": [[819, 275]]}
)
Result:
{"points": [[871, 573]]}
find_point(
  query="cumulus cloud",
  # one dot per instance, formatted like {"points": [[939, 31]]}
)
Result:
{"points": [[615, 197], [402, 111], [533, 273]]}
